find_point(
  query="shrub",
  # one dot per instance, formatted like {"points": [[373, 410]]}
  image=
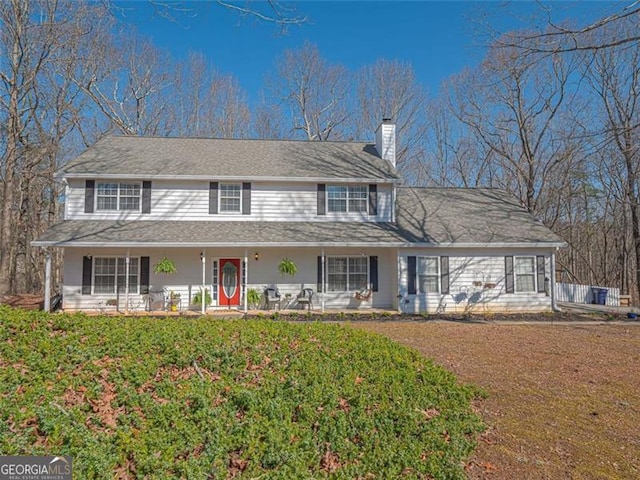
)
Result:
{"points": [[139, 397]]}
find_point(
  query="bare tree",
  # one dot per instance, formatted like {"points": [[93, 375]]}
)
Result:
{"points": [[28, 45], [126, 82], [453, 157], [614, 76], [389, 89], [206, 103], [518, 110], [554, 37], [268, 121], [282, 14], [41, 110], [314, 91]]}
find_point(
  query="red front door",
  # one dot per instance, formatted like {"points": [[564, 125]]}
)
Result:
{"points": [[229, 285]]}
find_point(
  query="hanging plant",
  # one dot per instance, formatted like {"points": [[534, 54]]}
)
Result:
{"points": [[287, 267], [165, 266]]}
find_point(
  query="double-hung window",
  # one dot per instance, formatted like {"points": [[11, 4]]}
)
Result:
{"points": [[344, 198], [347, 273], [118, 196], [109, 275], [230, 198], [428, 275], [525, 274]]}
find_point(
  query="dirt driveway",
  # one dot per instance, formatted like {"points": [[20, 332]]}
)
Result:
{"points": [[564, 400]]}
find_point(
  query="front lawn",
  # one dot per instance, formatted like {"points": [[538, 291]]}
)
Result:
{"points": [[208, 398]]}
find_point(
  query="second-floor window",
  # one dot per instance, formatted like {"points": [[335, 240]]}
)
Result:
{"points": [[343, 198], [230, 198], [118, 196]]}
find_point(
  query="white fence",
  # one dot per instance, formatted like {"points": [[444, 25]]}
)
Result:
{"points": [[572, 293]]}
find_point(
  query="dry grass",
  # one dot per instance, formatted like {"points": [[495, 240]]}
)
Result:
{"points": [[564, 400]]}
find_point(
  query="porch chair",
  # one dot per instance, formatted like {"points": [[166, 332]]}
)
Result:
{"points": [[305, 297], [271, 297]]}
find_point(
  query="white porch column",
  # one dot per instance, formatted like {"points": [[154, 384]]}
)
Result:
{"points": [[246, 280], [203, 296], [127, 262], [324, 286], [47, 280]]}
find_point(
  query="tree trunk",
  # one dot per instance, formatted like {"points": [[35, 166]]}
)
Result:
{"points": [[11, 160]]}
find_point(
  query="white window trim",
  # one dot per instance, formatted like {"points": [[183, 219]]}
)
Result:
{"points": [[437, 274], [215, 280], [115, 292], [348, 211], [117, 209], [226, 212], [349, 288], [533, 273]]}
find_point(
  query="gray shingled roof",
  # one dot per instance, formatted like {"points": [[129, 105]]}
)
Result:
{"points": [[428, 216], [185, 233], [467, 216], [219, 158]]}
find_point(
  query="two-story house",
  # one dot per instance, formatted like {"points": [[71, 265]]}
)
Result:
{"points": [[227, 212]]}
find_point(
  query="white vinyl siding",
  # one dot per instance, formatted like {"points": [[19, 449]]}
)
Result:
{"points": [[189, 200], [343, 198], [525, 274], [118, 196], [476, 282], [230, 198], [347, 273], [428, 271], [110, 273]]}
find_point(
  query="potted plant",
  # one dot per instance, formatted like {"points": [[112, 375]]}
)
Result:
{"points": [[174, 300], [165, 266], [254, 298], [197, 298], [287, 267]]}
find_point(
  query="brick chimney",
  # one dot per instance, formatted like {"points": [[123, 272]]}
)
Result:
{"points": [[386, 141]]}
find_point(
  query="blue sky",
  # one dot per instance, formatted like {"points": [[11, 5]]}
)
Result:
{"points": [[438, 38]]}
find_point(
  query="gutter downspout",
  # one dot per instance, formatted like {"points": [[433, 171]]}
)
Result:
{"points": [[554, 305]]}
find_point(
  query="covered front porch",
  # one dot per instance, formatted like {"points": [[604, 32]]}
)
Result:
{"points": [[210, 279]]}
